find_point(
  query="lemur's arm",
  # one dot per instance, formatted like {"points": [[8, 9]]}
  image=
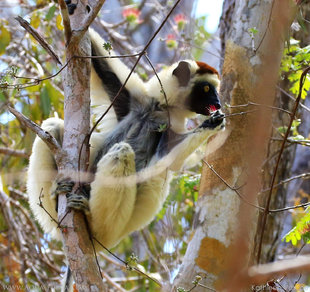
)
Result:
{"points": [[188, 143], [108, 76]]}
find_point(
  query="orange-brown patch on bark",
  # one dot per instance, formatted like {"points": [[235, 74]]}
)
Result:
{"points": [[213, 258]]}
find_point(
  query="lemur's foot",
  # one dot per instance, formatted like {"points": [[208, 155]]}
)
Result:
{"points": [[216, 120], [118, 162], [64, 186], [77, 199], [121, 152]]}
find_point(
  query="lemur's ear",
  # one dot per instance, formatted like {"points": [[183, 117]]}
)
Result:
{"points": [[183, 73]]}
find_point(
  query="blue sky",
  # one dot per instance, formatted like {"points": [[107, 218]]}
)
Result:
{"points": [[213, 10]]}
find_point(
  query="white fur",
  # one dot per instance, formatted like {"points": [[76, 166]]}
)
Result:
{"points": [[176, 95], [41, 175], [121, 201], [99, 97], [117, 206]]}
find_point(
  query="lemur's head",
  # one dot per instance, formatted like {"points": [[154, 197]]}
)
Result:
{"points": [[189, 85], [203, 82]]}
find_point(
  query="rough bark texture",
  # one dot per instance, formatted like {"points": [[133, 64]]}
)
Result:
{"points": [[77, 244], [222, 241]]}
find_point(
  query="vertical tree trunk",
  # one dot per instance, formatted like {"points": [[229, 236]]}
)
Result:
{"points": [[78, 248], [222, 239]]}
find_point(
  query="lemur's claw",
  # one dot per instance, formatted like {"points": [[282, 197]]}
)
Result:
{"points": [[80, 199], [77, 199], [64, 186]]}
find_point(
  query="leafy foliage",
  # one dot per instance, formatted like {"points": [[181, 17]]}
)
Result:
{"points": [[301, 231], [294, 61]]}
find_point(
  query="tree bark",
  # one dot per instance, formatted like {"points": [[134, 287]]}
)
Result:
{"points": [[76, 80], [222, 240]]}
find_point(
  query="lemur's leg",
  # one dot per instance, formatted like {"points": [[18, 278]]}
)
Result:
{"points": [[113, 194], [42, 172], [152, 194], [150, 197]]}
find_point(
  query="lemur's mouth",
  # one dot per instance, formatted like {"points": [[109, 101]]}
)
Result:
{"points": [[211, 109]]}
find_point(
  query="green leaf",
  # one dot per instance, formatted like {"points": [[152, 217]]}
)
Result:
{"points": [[45, 101], [5, 39], [2, 97], [300, 231], [50, 14]]}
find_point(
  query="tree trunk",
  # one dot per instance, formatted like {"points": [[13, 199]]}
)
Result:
{"points": [[77, 244], [222, 240]]}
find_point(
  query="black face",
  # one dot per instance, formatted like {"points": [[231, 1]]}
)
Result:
{"points": [[204, 99]]}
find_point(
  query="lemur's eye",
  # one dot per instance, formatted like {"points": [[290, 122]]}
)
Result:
{"points": [[206, 88]]}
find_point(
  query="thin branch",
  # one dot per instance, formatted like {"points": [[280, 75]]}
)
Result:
{"points": [[262, 209], [36, 80], [112, 282], [12, 152], [293, 98], [268, 24], [302, 142], [128, 267], [66, 20], [236, 190], [77, 35], [285, 181], [50, 141], [259, 105], [91, 16], [161, 86], [39, 38], [264, 220], [289, 208]]}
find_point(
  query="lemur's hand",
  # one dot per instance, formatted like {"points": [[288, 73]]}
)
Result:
{"points": [[215, 120]]}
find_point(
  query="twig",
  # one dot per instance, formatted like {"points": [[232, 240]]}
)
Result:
{"points": [[268, 24], [77, 35], [161, 86], [36, 80], [39, 38], [240, 113], [285, 181], [12, 152], [40, 204], [262, 209], [259, 105], [292, 141], [293, 98], [126, 263], [44, 135], [264, 220], [113, 283], [66, 20], [233, 188], [91, 16]]}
